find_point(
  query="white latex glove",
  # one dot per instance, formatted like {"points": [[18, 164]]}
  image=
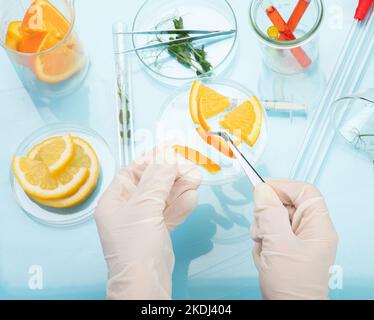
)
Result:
{"points": [[295, 240], [145, 201]]}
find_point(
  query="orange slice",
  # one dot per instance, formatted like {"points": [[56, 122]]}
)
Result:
{"points": [[32, 42], [13, 35], [207, 100], [61, 64], [245, 121], [198, 158], [42, 16]]}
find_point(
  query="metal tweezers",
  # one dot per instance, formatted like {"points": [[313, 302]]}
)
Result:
{"points": [[204, 34], [250, 172]]}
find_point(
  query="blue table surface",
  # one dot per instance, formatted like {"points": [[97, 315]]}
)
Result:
{"points": [[213, 248]]}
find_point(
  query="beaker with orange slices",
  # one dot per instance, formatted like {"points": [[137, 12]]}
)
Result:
{"points": [[40, 39]]}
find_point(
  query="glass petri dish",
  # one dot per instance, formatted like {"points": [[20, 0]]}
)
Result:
{"points": [[74, 215], [175, 126], [353, 119], [206, 15]]}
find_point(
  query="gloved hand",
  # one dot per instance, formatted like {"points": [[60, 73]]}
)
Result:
{"points": [[145, 201], [295, 240]]}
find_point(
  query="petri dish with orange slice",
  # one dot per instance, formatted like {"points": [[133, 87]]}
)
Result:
{"points": [[200, 107], [40, 39], [59, 172]]}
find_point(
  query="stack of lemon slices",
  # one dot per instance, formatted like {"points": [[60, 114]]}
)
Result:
{"points": [[59, 172]]}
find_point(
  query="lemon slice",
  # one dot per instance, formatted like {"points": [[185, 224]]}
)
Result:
{"points": [[55, 153], [37, 181], [245, 121], [84, 157]]}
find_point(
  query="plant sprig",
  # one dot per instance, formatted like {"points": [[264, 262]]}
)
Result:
{"points": [[186, 53]]}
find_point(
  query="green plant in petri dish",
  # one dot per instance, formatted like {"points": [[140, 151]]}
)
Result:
{"points": [[185, 52]]}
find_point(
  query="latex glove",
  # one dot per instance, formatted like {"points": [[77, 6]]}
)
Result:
{"points": [[295, 241], [145, 201]]}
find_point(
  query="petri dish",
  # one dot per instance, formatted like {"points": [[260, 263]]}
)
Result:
{"points": [[353, 120], [196, 14], [74, 215], [175, 126]]}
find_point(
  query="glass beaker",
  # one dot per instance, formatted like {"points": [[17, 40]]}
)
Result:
{"points": [[292, 46], [40, 40]]}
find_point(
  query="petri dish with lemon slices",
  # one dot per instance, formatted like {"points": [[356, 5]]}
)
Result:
{"points": [[59, 172], [199, 107]]}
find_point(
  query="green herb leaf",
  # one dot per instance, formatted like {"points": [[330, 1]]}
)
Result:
{"points": [[185, 53]]}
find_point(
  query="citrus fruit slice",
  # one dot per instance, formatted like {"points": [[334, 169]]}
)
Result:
{"points": [[13, 35], [209, 102], [244, 121], [60, 64], [84, 157], [198, 158], [36, 180], [56, 153], [43, 16], [202, 120], [32, 42]]}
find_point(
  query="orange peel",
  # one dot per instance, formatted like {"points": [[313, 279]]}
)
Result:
{"points": [[198, 158]]}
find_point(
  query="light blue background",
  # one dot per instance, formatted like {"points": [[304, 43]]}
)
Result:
{"points": [[213, 248]]}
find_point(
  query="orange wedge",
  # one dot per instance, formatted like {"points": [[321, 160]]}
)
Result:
{"points": [[32, 42], [42, 16], [13, 35], [245, 121], [61, 64], [207, 100], [198, 158]]}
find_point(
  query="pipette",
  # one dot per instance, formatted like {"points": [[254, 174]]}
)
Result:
{"points": [[297, 14], [363, 9]]}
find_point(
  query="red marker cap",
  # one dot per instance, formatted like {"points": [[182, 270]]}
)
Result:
{"points": [[363, 9]]}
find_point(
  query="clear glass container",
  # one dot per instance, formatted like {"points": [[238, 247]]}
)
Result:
{"points": [[294, 51], [56, 71], [196, 14]]}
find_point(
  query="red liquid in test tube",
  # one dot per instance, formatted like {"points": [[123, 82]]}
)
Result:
{"points": [[287, 35]]}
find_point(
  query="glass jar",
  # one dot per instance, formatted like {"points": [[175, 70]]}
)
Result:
{"points": [[48, 62], [295, 49]]}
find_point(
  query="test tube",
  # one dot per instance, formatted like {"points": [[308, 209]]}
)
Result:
{"points": [[297, 14], [287, 35]]}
